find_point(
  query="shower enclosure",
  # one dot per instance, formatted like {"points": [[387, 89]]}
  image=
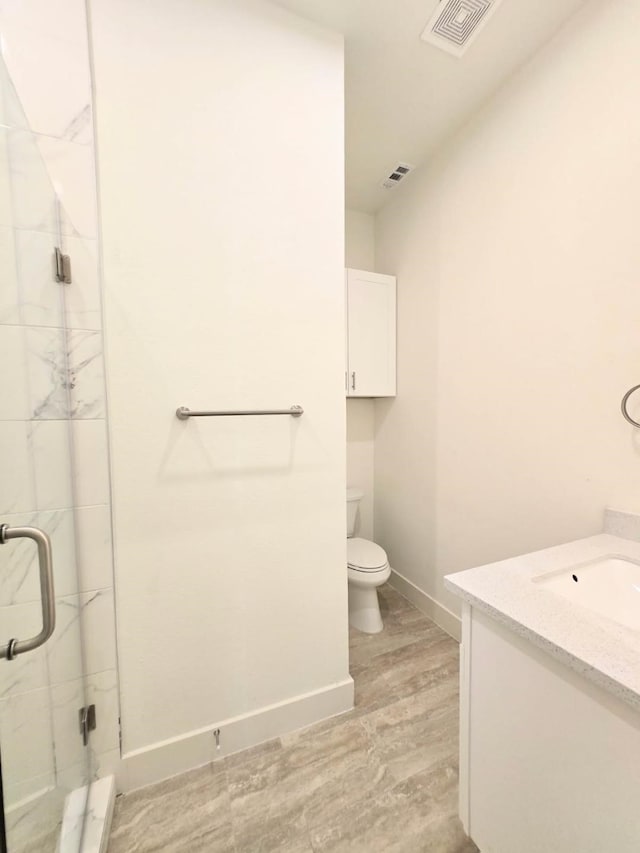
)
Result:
{"points": [[45, 711]]}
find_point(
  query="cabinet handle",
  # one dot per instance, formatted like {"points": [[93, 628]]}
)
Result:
{"points": [[353, 381]]}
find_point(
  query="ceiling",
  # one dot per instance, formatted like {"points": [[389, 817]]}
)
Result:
{"points": [[405, 97]]}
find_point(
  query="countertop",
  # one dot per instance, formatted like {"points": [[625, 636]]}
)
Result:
{"points": [[602, 650]]}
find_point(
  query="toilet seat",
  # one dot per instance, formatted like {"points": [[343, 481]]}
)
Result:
{"points": [[365, 556]]}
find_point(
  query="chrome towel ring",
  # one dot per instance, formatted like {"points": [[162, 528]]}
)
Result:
{"points": [[623, 406]]}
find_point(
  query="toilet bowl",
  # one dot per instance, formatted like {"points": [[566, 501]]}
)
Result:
{"points": [[367, 569]]}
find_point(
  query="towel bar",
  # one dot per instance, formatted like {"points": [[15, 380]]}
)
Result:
{"points": [[183, 413]]}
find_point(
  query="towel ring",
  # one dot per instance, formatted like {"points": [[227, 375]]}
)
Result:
{"points": [[623, 406]]}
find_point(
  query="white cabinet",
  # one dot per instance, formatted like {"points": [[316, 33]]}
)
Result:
{"points": [[371, 334], [548, 760]]}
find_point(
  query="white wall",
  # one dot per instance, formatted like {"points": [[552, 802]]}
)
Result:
{"points": [[360, 246], [360, 255], [220, 148], [360, 459], [517, 258]]}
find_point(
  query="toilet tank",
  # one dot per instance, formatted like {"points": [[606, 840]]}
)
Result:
{"points": [[354, 496]]}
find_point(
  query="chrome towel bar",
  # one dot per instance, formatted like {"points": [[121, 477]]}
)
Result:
{"points": [[183, 413], [623, 406]]}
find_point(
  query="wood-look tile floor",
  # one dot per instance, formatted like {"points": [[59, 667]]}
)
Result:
{"points": [[382, 778]]}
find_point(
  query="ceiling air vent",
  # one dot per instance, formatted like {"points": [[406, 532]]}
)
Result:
{"points": [[456, 23], [398, 174]]}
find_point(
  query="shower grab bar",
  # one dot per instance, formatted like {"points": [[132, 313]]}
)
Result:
{"points": [[623, 406], [16, 647], [183, 413]]}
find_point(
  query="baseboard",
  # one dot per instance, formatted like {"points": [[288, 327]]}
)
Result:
{"points": [[168, 758], [441, 615]]}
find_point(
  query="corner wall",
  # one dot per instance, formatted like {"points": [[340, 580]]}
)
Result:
{"points": [[517, 259], [360, 255], [224, 289]]}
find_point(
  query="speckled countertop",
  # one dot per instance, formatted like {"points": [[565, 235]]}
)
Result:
{"points": [[597, 647]]}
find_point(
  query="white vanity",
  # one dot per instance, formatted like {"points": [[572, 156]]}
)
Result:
{"points": [[550, 699]]}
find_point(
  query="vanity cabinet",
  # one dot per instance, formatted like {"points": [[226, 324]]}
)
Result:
{"points": [[370, 334], [548, 760]]}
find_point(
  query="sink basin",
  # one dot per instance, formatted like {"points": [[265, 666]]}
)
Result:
{"points": [[608, 585]]}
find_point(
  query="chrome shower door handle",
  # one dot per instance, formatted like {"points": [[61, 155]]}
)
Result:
{"points": [[14, 646]]}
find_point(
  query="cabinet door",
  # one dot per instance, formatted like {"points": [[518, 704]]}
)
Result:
{"points": [[371, 334]]}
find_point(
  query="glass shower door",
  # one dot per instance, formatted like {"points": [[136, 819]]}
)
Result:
{"points": [[44, 761]]}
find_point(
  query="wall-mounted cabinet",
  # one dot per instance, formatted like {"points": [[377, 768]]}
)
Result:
{"points": [[371, 334]]}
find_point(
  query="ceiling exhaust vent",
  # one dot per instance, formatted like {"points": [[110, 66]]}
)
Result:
{"points": [[398, 174], [456, 23]]}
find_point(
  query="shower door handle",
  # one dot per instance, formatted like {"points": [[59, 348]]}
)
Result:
{"points": [[14, 646]]}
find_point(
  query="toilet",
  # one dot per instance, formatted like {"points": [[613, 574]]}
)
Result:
{"points": [[367, 569]]}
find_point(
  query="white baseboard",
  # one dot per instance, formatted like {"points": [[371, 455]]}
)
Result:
{"points": [[440, 614], [168, 758]]}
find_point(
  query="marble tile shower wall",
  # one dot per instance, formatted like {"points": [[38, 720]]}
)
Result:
{"points": [[53, 464]]}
